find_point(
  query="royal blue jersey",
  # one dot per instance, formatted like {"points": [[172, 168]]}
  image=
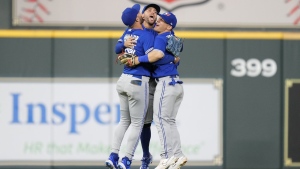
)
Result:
{"points": [[169, 59], [150, 30], [164, 66], [119, 48], [120, 45], [144, 44]]}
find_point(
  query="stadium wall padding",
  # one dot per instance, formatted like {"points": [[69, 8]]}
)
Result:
{"points": [[253, 102]]}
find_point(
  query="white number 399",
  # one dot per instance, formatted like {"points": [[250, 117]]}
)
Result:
{"points": [[253, 67]]}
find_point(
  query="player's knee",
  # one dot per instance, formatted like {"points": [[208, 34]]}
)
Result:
{"points": [[148, 125]]}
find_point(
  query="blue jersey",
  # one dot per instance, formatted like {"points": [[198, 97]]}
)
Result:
{"points": [[120, 45], [169, 59], [164, 67], [144, 44], [119, 48], [150, 30]]}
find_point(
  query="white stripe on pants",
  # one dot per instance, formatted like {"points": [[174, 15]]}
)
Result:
{"points": [[167, 99]]}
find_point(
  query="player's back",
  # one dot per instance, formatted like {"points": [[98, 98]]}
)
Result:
{"points": [[144, 44]]}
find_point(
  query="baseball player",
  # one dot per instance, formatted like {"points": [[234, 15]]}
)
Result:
{"points": [[149, 14], [168, 94], [133, 90]]}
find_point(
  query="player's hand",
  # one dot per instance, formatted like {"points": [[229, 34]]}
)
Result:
{"points": [[127, 59], [130, 42], [133, 61], [176, 60]]}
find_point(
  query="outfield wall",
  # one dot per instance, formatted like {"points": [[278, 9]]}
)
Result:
{"points": [[56, 84]]}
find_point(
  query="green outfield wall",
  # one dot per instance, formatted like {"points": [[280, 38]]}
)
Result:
{"points": [[258, 69]]}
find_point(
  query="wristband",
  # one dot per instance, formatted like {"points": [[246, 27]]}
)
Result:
{"points": [[143, 59]]}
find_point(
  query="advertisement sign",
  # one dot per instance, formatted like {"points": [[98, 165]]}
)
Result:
{"points": [[74, 121], [190, 13]]}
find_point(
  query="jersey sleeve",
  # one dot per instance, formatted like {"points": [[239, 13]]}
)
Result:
{"points": [[119, 47], [120, 44], [160, 44], [169, 58]]}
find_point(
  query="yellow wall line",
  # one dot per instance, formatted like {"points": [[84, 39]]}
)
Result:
{"points": [[26, 34], [254, 35], [116, 34], [291, 36]]}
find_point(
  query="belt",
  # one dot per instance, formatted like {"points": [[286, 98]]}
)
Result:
{"points": [[173, 82], [173, 76]]}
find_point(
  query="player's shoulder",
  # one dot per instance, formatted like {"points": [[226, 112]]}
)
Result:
{"points": [[138, 31], [163, 36], [152, 31], [146, 35]]}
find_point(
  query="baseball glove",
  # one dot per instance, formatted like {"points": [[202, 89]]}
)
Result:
{"points": [[174, 45], [127, 59]]}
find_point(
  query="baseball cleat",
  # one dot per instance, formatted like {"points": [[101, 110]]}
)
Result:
{"points": [[146, 161], [112, 161], [165, 163], [180, 162], [125, 163]]}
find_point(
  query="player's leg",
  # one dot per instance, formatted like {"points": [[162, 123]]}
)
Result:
{"points": [[122, 126], [146, 132], [145, 140], [175, 134], [138, 104], [163, 106]]}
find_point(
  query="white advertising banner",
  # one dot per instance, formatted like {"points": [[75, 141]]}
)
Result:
{"points": [[57, 120], [190, 13]]}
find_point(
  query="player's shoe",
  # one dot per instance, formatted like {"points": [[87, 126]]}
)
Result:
{"points": [[112, 161], [180, 162], [165, 163], [125, 163], [146, 161]]}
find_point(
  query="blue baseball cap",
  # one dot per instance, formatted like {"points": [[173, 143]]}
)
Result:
{"points": [[169, 18], [129, 14], [151, 5]]}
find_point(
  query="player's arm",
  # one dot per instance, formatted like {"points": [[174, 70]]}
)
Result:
{"points": [[157, 54], [151, 57], [120, 44], [148, 43], [154, 56], [119, 47]]}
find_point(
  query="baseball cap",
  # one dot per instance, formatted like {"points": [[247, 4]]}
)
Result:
{"points": [[169, 18], [151, 5], [129, 14]]}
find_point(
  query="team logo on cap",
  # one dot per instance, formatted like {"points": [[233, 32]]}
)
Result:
{"points": [[167, 13], [172, 5]]}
